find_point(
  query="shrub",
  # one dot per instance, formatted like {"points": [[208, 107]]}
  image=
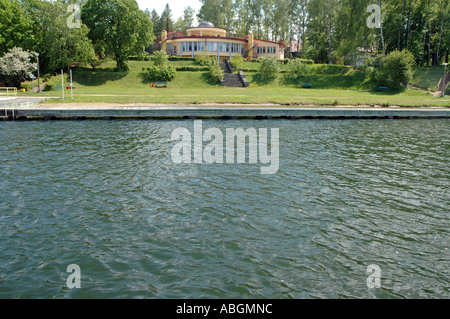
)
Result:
{"points": [[306, 61], [215, 72], [178, 58], [297, 69], [192, 68], [55, 81], [396, 69], [204, 60], [27, 86], [284, 61], [162, 71], [330, 69], [16, 65], [237, 61], [160, 59], [269, 69], [162, 74]]}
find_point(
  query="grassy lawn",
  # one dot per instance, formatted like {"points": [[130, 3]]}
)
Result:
{"points": [[428, 78], [348, 87]]}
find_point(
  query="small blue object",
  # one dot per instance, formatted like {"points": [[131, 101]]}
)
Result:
{"points": [[306, 85], [382, 88], [161, 83]]}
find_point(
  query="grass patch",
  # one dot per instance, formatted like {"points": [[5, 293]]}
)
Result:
{"points": [[337, 86], [427, 78]]}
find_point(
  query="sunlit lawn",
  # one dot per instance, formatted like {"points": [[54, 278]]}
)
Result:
{"points": [[353, 88]]}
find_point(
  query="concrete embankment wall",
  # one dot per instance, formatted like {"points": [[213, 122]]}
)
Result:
{"points": [[224, 113]]}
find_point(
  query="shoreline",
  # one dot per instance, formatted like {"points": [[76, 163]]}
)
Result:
{"points": [[108, 111]]}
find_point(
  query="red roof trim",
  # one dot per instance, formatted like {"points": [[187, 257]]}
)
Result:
{"points": [[207, 37], [279, 43]]}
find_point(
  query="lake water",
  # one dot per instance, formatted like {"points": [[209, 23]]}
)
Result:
{"points": [[106, 195]]}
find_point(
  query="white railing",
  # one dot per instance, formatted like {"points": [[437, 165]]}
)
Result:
{"points": [[8, 90], [17, 105]]}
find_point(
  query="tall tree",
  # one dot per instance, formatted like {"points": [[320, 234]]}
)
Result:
{"points": [[219, 12], [154, 18], [188, 16], [166, 20], [16, 28], [125, 29]]}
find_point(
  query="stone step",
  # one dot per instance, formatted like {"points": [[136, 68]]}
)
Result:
{"points": [[232, 80]]}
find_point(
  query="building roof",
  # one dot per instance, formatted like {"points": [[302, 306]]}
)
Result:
{"points": [[193, 37], [205, 24], [279, 43]]}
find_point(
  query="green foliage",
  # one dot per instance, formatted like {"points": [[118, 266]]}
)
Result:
{"points": [[179, 58], [162, 74], [27, 86], [192, 68], [269, 69], [129, 34], [297, 69], [66, 46], [16, 65], [306, 61], [16, 27], [237, 61], [55, 81], [204, 60], [396, 69], [329, 69], [215, 73], [160, 59]]}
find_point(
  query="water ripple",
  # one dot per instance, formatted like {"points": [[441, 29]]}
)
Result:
{"points": [[106, 195]]}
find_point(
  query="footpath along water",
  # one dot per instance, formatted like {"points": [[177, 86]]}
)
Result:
{"points": [[107, 196]]}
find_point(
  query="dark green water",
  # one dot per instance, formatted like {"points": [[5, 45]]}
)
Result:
{"points": [[105, 195]]}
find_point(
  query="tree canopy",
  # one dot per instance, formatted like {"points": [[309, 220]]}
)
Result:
{"points": [[120, 26]]}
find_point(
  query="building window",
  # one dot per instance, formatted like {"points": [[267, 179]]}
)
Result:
{"points": [[235, 47], [199, 46], [271, 50], [186, 46], [223, 47], [261, 50], [212, 46]]}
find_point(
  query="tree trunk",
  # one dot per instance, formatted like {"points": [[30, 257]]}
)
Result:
{"points": [[425, 35], [329, 41], [440, 34], [408, 25], [400, 27], [423, 45], [429, 42], [381, 30]]}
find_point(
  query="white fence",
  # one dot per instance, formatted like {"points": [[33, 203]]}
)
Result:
{"points": [[18, 105]]}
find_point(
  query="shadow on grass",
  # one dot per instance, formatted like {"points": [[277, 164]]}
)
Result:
{"points": [[209, 80], [374, 89], [96, 78], [145, 79], [356, 81], [258, 79]]}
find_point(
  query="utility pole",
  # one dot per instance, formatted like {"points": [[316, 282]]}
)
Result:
{"points": [[443, 80], [62, 83], [39, 78]]}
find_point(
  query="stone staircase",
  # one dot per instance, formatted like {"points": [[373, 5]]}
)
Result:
{"points": [[230, 79]]}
